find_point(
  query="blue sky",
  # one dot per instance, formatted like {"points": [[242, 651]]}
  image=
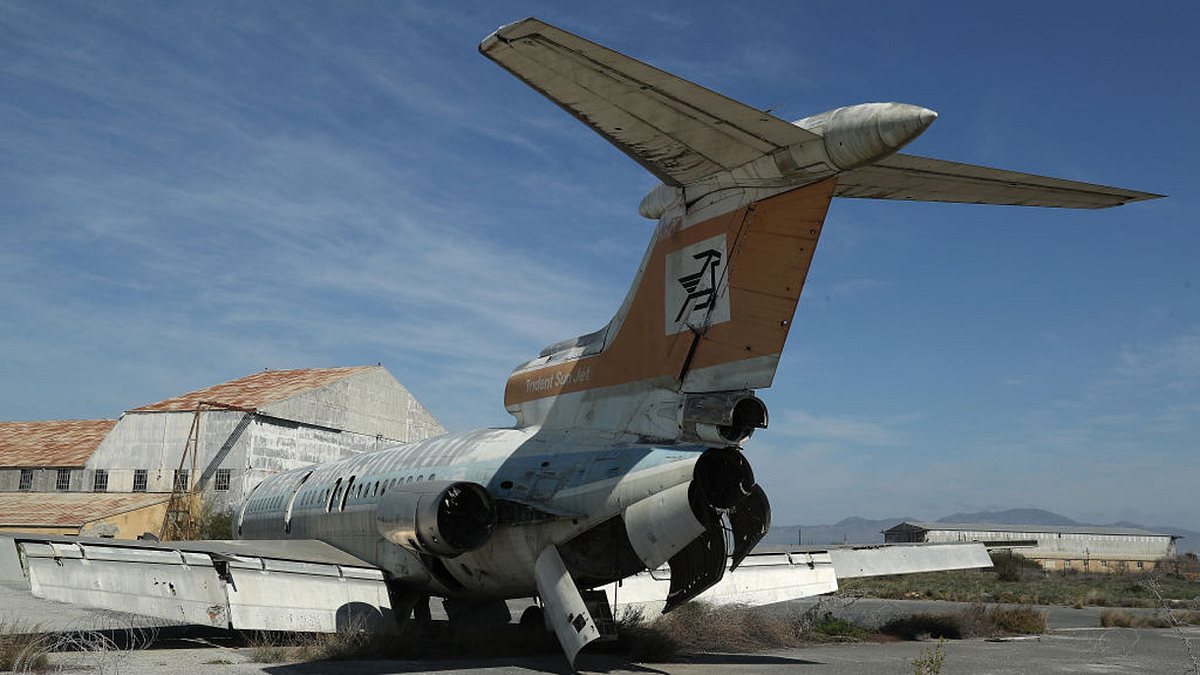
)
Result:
{"points": [[190, 192]]}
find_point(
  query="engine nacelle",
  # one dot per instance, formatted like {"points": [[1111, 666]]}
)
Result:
{"points": [[441, 518], [723, 418]]}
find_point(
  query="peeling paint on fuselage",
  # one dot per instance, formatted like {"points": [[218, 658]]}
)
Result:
{"points": [[586, 480]]}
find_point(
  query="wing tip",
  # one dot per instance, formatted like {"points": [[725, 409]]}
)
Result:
{"points": [[506, 32]]}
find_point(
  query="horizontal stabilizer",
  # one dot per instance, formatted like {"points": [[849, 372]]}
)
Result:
{"points": [[908, 177], [678, 130]]}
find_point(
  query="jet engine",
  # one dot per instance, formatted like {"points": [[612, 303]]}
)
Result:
{"points": [[441, 518], [724, 417]]}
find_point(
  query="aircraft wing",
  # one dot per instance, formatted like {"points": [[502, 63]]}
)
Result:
{"points": [[909, 177], [294, 585], [766, 577], [677, 130]]}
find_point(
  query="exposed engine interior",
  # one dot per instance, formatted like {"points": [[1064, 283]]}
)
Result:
{"points": [[440, 518], [723, 418]]}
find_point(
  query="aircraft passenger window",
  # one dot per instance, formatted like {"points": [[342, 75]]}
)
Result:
{"points": [[409, 479], [375, 490], [432, 476], [420, 478]]}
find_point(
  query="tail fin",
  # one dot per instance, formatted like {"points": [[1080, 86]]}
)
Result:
{"points": [[708, 312], [742, 206]]}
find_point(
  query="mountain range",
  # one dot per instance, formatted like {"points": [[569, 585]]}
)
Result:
{"points": [[855, 530]]}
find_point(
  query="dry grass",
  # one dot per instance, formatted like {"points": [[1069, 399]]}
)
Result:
{"points": [[1117, 618], [22, 648], [301, 647], [975, 621], [412, 641], [700, 627], [1035, 588]]}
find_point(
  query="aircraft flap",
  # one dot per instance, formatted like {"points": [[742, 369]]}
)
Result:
{"points": [[881, 560], [908, 177], [678, 130], [213, 583]]}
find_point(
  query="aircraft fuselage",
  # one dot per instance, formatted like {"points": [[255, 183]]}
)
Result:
{"points": [[548, 490]]}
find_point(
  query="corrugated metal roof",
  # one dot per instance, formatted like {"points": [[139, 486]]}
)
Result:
{"points": [[69, 509], [257, 390], [1050, 529], [54, 443]]}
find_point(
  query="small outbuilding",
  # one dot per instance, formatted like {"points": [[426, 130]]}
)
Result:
{"points": [[1075, 547]]}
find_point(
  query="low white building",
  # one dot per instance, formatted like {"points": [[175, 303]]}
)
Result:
{"points": [[236, 434], [1078, 547]]}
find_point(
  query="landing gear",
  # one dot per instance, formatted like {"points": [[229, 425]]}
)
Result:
{"points": [[476, 614]]}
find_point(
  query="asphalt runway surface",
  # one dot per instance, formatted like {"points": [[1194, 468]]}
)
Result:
{"points": [[1075, 644]]}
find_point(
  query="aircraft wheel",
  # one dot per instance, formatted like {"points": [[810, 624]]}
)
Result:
{"points": [[533, 619]]}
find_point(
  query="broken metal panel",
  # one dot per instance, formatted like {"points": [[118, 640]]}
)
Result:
{"points": [[697, 568], [170, 585], [872, 561], [749, 519], [565, 610]]}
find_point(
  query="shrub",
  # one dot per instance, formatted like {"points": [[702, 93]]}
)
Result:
{"points": [[1009, 565], [930, 662], [977, 620], [834, 627], [1018, 620], [924, 624], [1114, 618]]}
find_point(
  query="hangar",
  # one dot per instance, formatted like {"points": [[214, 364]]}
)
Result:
{"points": [[115, 478], [1075, 547]]}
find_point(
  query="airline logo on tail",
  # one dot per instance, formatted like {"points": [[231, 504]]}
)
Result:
{"points": [[696, 292]]}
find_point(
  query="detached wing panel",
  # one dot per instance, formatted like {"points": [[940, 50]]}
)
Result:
{"points": [[908, 177], [678, 130], [305, 586]]}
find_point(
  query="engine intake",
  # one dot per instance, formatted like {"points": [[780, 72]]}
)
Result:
{"points": [[441, 518], [723, 418]]}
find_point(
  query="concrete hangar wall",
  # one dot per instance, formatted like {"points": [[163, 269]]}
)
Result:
{"points": [[249, 428], [1081, 547]]}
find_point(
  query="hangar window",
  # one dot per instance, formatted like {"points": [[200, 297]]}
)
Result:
{"points": [[62, 482], [420, 478], [26, 480], [100, 481], [375, 490], [181, 480], [432, 476], [223, 479], [139, 480]]}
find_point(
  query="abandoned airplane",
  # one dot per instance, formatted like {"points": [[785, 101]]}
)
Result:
{"points": [[623, 480]]}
